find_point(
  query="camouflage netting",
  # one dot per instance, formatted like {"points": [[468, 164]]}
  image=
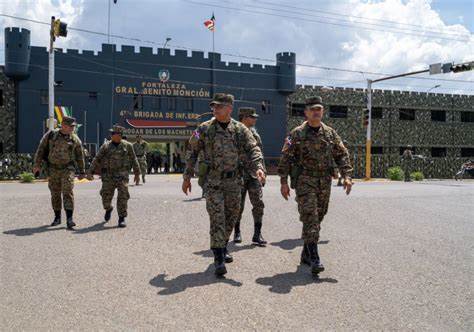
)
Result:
{"points": [[12, 165], [392, 134], [7, 114]]}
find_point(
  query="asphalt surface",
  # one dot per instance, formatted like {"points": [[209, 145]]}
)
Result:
{"points": [[398, 256]]}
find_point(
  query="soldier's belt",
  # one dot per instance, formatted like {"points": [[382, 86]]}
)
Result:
{"points": [[138, 156], [59, 167], [315, 173], [223, 175]]}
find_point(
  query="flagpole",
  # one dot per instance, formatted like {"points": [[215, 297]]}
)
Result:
{"points": [[213, 56]]}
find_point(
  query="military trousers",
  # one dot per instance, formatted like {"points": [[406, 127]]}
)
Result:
{"points": [[254, 188], [143, 165], [61, 185], [223, 206], [312, 196], [109, 184]]}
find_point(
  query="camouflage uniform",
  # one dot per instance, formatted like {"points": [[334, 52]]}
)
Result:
{"points": [[312, 152], [62, 153], [114, 162], [223, 149], [253, 187], [407, 163], [140, 152]]}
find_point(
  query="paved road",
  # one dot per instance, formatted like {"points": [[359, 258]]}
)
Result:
{"points": [[398, 257]]}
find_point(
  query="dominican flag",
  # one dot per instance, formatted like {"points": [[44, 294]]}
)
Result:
{"points": [[210, 23]]}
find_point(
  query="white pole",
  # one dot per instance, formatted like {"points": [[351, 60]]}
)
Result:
{"points": [[51, 77]]}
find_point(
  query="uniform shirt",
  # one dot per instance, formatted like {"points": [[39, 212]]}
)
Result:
{"points": [[140, 148], [258, 139], [64, 150], [314, 150], [116, 159], [224, 149]]}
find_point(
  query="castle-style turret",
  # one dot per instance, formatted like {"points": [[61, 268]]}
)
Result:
{"points": [[17, 53], [286, 70]]}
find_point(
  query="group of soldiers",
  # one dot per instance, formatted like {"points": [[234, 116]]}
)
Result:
{"points": [[62, 152], [231, 164]]}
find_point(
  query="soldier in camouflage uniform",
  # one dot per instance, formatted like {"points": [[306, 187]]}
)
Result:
{"points": [[140, 151], [407, 161], [224, 142], [114, 160], [248, 116], [308, 155], [62, 150]]}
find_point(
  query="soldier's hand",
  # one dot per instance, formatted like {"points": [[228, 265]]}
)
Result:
{"points": [[186, 186], [36, 169], [136, 179], [90, 177], [285, 191], [261, 176], [347, 186]]}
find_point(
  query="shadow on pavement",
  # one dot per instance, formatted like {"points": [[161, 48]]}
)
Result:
{"points": [[185, 281], [33, 230], [291, 244], [232, 249], [95, 228], [283, 283], [194, 199]]}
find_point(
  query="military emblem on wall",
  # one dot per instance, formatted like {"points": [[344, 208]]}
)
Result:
{"points": [[164, 75]]}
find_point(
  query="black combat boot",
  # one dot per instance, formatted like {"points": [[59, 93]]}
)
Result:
{"points": [[108, 214], [305, 256], [219, 262], [257, 235], [227, 257], [316, 266], [70, 224], [237, 236], [121, 222], [57, 218]]}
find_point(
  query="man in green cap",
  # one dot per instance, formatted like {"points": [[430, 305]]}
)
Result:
{"points": [[61, 149], [308, 155], [224, 143], [113, 160], [248, 116], [140, 151]]}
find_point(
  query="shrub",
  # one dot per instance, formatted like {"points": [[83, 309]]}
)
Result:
{"points": [[395, 174], [417, 176], [27, 177]]}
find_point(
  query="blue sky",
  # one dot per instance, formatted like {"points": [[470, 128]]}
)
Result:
{"points": [[362, 37]]}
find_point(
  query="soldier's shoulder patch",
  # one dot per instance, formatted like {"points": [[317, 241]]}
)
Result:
{"points": [[289, 140]]}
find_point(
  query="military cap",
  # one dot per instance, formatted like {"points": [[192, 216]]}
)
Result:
{"points": [[117, 130], [222, 98], [69, 121], [315, 101], [248, 111]]}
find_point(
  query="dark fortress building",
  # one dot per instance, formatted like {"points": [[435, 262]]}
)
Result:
{"points": [[150, 92], [162, 94]]}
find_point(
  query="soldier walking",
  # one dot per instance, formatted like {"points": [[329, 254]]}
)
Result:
{"points": [[62, 150], [307, 156], [407, 162], [114, 159], [248, 116], [140, 151], [224, 142]]}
